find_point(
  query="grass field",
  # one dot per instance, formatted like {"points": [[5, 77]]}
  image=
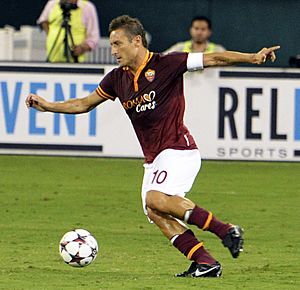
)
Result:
{"points": [[43, 197]]}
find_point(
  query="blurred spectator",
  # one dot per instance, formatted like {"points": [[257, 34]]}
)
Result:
{"points": [[200, 31], [84, 27]]}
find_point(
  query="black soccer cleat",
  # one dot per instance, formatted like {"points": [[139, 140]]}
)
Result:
{"points": [[202, 270], [234, 241]]}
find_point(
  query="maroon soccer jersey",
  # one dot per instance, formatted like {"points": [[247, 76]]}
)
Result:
{"points": [[154, 101]]}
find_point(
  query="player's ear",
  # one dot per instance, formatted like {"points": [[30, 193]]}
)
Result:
{"points": [[138, 40]]}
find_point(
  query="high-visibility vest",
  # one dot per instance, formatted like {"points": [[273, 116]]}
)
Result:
{"points": [[77, 28], [188, 45]]}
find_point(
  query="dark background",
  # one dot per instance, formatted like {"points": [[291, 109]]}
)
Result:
{"points": [[245, 25]]}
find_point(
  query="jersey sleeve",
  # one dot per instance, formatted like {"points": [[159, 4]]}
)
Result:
{"points": [[177, 62], [105, 88]]}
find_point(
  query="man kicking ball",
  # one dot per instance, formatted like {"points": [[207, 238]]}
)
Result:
{"points": [[150, 88]]}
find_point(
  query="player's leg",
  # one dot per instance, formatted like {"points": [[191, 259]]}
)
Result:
{"points": [[184, 209], [184, 240], [173, 172]]}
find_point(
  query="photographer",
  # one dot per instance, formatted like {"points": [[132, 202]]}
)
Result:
{"points": [[84, 28]]}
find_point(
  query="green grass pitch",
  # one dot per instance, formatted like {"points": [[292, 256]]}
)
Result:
{"points": [[41, 198]]}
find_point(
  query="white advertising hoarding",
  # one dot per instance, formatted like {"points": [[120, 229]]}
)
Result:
{"points": [[233, 113], [105, 131], [245, 114]]}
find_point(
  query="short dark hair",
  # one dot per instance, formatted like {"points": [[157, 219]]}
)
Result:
{"points": [[132, 27], [202, 18]]}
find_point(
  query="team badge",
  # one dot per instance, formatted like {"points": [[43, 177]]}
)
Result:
{"points": [[150, 75]]}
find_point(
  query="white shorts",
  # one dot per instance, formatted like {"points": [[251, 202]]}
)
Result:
{"points": [[172, 172]]}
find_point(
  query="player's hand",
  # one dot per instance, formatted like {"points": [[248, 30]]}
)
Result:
{"points": [[265, 54], [36, 102]]}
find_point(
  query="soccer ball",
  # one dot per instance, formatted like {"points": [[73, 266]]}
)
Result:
{"points": [[78, 248]]}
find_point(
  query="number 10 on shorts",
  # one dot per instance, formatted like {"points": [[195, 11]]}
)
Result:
{"points": [[159, 176]]}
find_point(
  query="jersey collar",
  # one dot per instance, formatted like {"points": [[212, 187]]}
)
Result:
{"points": [[140, 69]]}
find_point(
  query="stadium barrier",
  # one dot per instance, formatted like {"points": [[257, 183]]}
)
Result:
{"points": [[233, 113], [6, 40], [29, 44]]}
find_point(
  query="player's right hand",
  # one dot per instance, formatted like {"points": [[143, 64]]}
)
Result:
{"points": [[265, 54], [36, 102]]}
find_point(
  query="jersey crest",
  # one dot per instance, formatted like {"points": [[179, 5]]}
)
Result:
{"points": [[150, 75]]}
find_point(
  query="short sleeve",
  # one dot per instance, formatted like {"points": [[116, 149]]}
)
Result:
{"points": [[177, 62], [106, 87], [46, 11], [90, 18]]}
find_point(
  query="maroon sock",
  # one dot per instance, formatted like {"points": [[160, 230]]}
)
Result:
{"points": [[188, 244], [206, 221]]}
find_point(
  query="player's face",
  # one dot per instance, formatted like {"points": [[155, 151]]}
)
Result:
{"points": [[123, 48], [200, 31]]}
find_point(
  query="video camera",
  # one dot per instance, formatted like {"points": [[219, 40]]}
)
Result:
{"points": [[66, 6]]}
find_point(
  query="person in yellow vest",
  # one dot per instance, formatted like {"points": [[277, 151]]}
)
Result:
{"points": [[84, 28], [200, 31]]}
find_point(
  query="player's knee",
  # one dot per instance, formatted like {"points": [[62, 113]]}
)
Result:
{"points": [[154, 216], [151, 214], [156, 200]]}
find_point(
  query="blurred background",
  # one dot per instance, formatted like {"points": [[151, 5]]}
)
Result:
{"points": [[238, 25], [253, 112]]}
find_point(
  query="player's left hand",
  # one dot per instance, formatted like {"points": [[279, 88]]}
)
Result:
{"points": [[265, 54]]}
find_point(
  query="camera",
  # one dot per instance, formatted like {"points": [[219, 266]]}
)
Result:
{"points": [[66, 6]]}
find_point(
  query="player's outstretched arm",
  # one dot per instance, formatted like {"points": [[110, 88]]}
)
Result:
{"points": [[74, 106], [233, 57]]}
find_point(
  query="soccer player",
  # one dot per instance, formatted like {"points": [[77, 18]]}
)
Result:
{"points": [[150, 88]]}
